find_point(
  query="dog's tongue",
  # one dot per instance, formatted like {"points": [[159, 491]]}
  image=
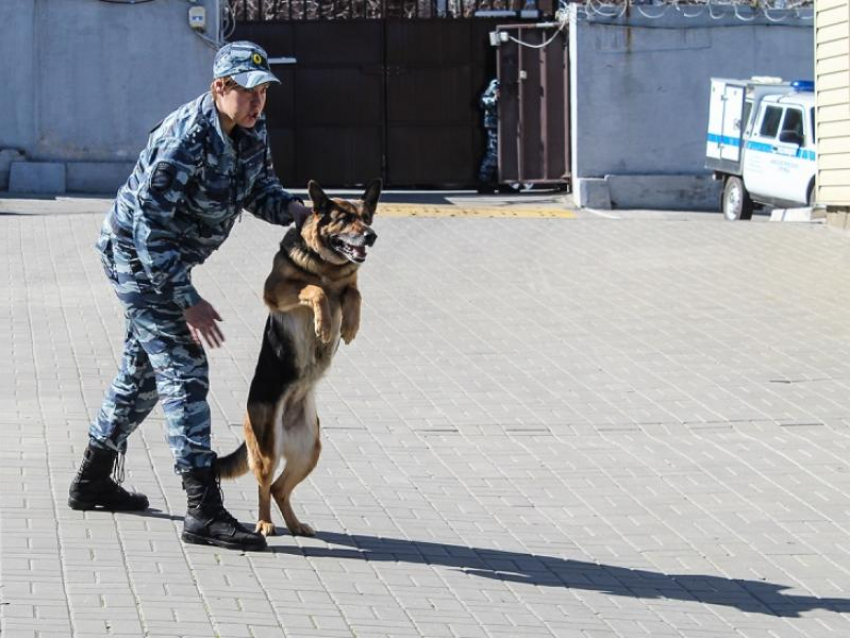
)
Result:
{"points": [[359, 252]]}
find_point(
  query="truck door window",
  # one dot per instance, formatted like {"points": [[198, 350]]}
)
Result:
{"points": [[770, 121], [745, 117], [793, 122]]}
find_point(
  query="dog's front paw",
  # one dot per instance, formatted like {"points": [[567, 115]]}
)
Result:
{"points": [[265, 528], [349, 332], [323, 331]]}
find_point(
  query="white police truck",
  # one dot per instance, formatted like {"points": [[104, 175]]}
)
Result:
{"points": [[761, 143]]}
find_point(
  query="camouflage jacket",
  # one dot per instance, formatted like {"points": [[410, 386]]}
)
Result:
{"points": [[490, 103], [189, 186]]}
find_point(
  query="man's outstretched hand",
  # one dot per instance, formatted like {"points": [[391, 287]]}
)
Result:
{"points": [[299, 212], [201, 319]]}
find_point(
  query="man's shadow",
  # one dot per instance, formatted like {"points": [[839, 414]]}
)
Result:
{"points": [[548, 571]]}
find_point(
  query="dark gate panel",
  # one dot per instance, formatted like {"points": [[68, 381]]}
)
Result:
{"points": [[339, 106], [436, 71], [429, 93], [368, 98], [326, 117], [533, 107]]}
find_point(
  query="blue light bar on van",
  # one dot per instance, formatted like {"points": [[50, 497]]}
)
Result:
{"points": [[803, 85]]}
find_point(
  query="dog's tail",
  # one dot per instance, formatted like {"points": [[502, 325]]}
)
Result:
{"points": [[234, 464]]}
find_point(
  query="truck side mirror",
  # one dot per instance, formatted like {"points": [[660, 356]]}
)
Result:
{"points": [[791, 137]]}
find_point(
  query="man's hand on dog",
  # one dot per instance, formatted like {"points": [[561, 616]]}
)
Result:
{"points": [[201, 319], [299, 212]]}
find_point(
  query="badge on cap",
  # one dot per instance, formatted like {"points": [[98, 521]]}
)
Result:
{"points": [[258, 59]]}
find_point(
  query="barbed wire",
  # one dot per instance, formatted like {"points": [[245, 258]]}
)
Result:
{"points": [[745, 10]]}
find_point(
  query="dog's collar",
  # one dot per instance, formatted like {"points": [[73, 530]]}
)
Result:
{"points": [[309, 261]]}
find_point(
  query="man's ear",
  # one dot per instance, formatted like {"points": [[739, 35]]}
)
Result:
{"points": [[318, 197], [370, 197]]}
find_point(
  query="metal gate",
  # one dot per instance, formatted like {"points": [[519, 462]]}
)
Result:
{"points": [[534, 140], [395, 98]]}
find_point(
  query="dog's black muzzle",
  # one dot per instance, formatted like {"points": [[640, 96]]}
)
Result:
{"points": [[370, 236]]}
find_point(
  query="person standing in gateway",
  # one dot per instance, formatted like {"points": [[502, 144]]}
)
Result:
{"points": [[488, 173], [203, 164]]}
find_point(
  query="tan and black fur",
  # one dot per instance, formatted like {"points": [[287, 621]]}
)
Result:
{"points": [[313, 301]]}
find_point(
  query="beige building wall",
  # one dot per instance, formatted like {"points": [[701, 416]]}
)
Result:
{"points": [[832, 87]]}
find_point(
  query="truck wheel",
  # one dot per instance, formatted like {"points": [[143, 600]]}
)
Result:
{"points": [[736, 200]]}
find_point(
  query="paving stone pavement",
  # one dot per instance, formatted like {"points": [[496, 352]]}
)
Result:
{"points": [[587, 427]]}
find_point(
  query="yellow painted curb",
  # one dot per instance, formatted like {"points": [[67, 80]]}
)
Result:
{"points": [[432, 210]]}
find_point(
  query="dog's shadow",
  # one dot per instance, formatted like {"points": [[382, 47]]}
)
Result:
{"points": [[749, 596]]}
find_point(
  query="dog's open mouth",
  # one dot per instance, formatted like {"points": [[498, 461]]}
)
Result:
{"points": [[352, 247]]}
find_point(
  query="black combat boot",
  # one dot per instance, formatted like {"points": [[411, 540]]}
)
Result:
{"points": [[94, 486], [207, 522]]}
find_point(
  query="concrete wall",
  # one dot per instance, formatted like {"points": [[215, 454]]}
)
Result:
{"points": [[640, 91], [84, 81]]}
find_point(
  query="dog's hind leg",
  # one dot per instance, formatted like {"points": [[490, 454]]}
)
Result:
{"points": [[260, 438], [264, 524], [298, 467]]}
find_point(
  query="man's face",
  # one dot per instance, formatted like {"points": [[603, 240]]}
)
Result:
{"points": [[244, 106]]}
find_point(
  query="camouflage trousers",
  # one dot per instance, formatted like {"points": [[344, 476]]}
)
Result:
{"points": [[160, 362], [488, 173]]}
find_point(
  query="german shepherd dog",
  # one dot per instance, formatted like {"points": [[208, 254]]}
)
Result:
{"points": [[313, 302]]}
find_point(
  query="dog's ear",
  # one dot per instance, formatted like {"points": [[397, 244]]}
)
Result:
{"points": [[370, 197], [318, 197]]}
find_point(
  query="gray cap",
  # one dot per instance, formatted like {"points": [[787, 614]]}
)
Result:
{"points": [[245, 62]]}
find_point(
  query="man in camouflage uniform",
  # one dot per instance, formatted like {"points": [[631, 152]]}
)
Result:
{"points": [[488, 174], [203, 164]]}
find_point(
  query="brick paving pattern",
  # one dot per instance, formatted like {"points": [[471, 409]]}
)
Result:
{"points": [[584, 427]]}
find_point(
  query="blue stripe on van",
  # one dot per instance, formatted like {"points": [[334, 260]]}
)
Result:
{"points": [[723, 139], [802, 153]]}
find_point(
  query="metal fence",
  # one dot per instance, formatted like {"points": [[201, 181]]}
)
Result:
{"points": [[316, 10], [320, 10]]}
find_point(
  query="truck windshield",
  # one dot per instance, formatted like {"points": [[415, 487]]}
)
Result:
{"points": [[793, 122], [770, 121]]}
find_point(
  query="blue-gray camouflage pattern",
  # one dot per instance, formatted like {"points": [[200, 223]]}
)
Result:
{"points": [[180, 203], [160, 362], [490, 103], [489, 169], [188, 188], [488, 172], [245, 62]]}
